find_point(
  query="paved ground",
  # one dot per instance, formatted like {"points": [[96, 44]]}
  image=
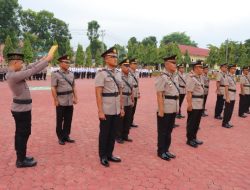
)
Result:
{"points": [[221, 163]]}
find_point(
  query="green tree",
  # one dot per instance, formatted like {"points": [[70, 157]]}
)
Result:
{"points": [[9, 21], [169, 50], [88, 57], [8, 47], [242, 55], [213, 56], [28, 52], [79, 55], [122, 53], [69, 49], [93, 35], [56, 56], [179, 38], [132, 47], [186, 59], [98, 58]]}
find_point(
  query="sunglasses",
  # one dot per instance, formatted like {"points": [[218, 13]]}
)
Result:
{"points": [[126, 65]]}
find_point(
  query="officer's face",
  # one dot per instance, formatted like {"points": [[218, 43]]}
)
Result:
{"points": [[133, 66], [224, 68], [198, 69], [232, 70], [181, 69], [111, 60], [64, 64], [125, 68], [205, 70], [18, 65], [245, 71], [170, 66]]}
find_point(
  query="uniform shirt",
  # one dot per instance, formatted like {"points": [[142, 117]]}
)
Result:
{"points": [[182, 82], [206, 83], [135, 77], [196, 87], [222, 79], [111, 105], [246, 84], [168, 84], [19, 87], [231, 86], [62, 85], [127, 101]]}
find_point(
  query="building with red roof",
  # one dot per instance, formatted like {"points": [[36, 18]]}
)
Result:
{"points": [[195, 53]]}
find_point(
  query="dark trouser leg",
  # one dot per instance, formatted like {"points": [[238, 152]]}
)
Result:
{"points": [[170, 121], [59, 122], [242, 104], [193, 122], [182, 96], [247, 103], [127, 121], [23, 131], [228, 111], [115, 122], [68, 114], [204, 102], [105, 126], [219, 105], [133, 110]]}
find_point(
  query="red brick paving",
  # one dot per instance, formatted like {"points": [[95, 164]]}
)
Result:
{"points": [[221, 163]]}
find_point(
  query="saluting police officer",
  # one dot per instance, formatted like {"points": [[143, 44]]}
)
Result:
{"points": [[230, 93], [244, 92], [136, 92], [168, 104], [21, 105], [64, 94], [128, 100], [206, 87], [182, 86], [220, 90], [110, 106], [195, 98]]}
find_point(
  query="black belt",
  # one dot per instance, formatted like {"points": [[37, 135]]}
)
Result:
{"points": [[126, 93], [181, 86], [115, 94], [172, 97], [246, 85], [197, 96], [231, 90], [135, 86], [25, 101], [222, 85], [206, 86], [64, 93]]}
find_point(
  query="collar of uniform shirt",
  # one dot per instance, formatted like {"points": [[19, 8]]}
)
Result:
{"points": [[167, 72], [113, 70], [64, 71]]}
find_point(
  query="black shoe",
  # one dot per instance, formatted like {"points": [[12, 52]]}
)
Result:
{"points": [[218, 117], [128, 139], [178, 116], [104, 162], [170, 155], [198, 141], [226, 125], [164, 156], [176, 125], [243, 116], [230, 124], [119, 140], [182, 116], [192, 144], [26, 163], [114, 159], [204, 115], [133, 125], [69, 140], [61, 142], [29, 158]]}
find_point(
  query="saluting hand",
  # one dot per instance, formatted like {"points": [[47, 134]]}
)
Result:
{"points": [[101, 115]]}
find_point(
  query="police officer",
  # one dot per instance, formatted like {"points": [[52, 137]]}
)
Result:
{"points": [[136, 92], [64, 95], [206, 87], [244, 92], [110, 106], [230, 93], [1, 73], [182, 86], [44, 73], [168, 104], [128, 99], [220, 90], [195, 98], [21, 105]]}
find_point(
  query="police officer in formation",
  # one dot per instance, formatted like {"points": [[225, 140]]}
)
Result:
{"points": [[22, 102], [168, 105], [136, 92], [1, 73], [206, 81], [64, 94], [182, 86], [230, 94], [220, 90], [244, 93], [110, 106], [195, 98], [128, 101]]}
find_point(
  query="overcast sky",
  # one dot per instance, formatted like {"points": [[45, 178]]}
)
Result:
{"points": [[206, 21]]}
